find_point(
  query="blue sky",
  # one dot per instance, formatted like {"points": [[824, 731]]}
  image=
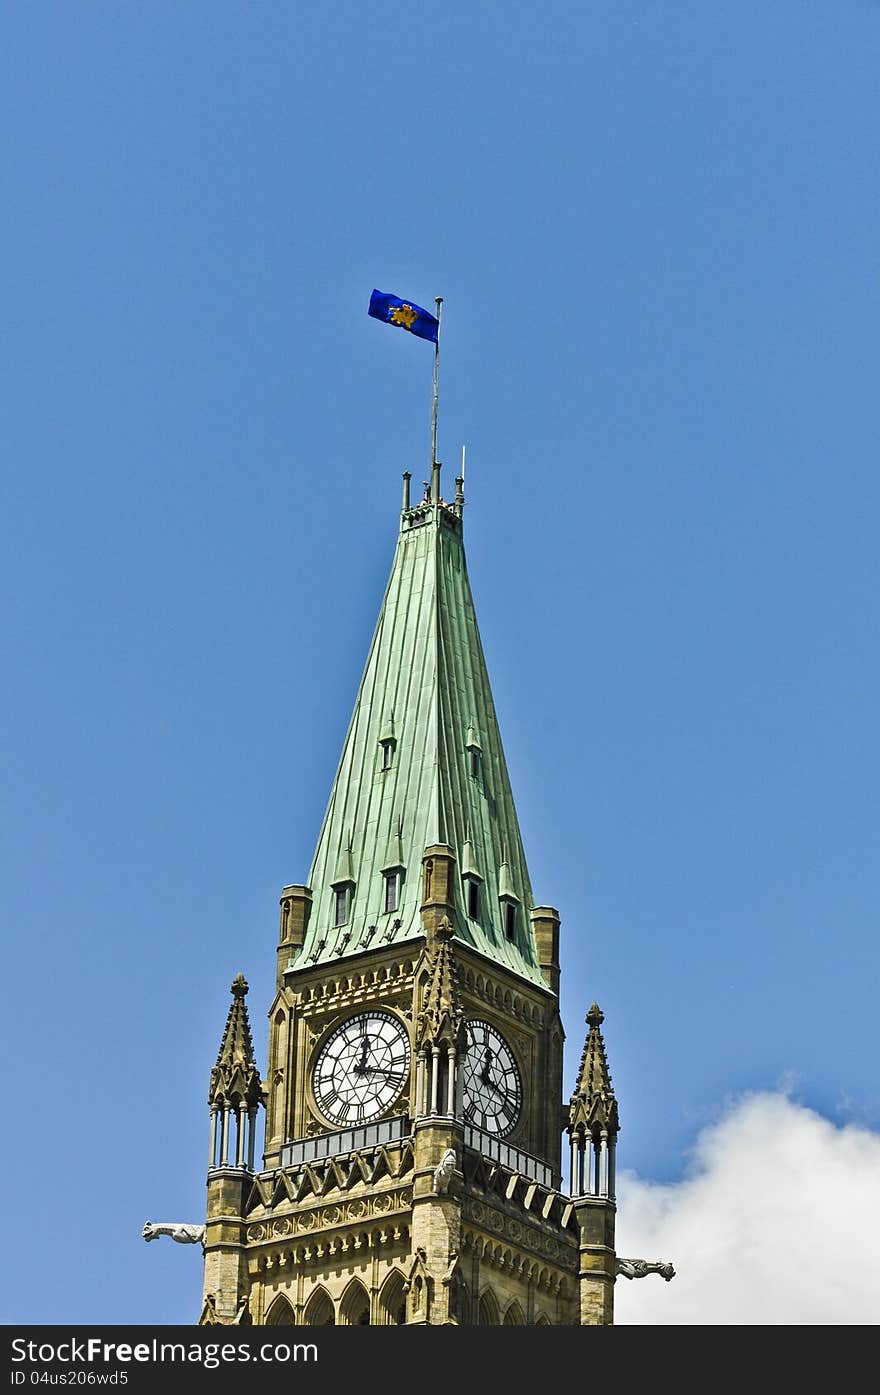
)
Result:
{"points": [[655, 228]]}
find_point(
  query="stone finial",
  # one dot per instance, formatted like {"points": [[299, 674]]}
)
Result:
{"points": [[235, 1075], [593, 1104], [444, 929]]}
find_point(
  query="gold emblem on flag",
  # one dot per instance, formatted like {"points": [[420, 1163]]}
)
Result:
{"points": [[403, 315]]}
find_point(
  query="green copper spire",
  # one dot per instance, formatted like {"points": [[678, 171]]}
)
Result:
{"points": [[433, 773]]}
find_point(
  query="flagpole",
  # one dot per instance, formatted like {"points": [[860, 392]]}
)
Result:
{"points": [[435, 463]]}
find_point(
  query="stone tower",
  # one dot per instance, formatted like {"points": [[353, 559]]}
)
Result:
{"points": [[412, 1169]]}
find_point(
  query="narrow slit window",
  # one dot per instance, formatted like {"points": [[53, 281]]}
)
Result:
{"points": [[340, 910], [387, 754], [391, 891], [475, 762], [473, 899], [510, 920]]}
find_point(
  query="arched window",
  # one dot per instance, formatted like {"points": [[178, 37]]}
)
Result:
{"points": [[513, 1317]]}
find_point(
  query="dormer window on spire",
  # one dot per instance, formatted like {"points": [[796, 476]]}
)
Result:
{"points": [[392, 890], [392, 869], [343, 885], [471, 879], [510, 920], [508, 900], [474, 752], [473, 898], [387, 743]]}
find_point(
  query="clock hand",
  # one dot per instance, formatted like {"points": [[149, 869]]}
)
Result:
{"points": [[361, 1067], [502, 1094]]}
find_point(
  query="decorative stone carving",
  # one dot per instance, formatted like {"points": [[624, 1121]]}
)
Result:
{"points": [[181, 1231], [359, 1208], [640, 1268], [443, 1172]]}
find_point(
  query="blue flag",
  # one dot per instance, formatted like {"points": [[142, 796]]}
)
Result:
{"points": [[404, 314]]}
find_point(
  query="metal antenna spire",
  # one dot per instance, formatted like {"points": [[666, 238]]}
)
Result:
{"points": [[459, 484]]}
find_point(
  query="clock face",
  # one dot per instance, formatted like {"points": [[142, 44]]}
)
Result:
{"points": [[361, 1068], [492, 1087]]}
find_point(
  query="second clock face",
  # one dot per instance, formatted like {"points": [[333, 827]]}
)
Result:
{"points": [[492, 1087], [361, 1068]]}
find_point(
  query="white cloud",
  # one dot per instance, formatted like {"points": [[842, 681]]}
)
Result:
{"points": [[776, 1222]]}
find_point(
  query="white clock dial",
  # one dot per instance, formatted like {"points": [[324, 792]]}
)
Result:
{"points": [[361, 1068], [492, 1093]]}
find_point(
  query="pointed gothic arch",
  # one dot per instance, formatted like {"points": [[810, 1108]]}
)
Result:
{"points": [[488, 1312], [354, 1307], [542, 1320], [280, 1313], [514, 1316], [319, 1311], [392, 1301]]}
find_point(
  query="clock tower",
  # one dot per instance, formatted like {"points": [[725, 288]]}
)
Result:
{"points": [[412, 1170]]}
